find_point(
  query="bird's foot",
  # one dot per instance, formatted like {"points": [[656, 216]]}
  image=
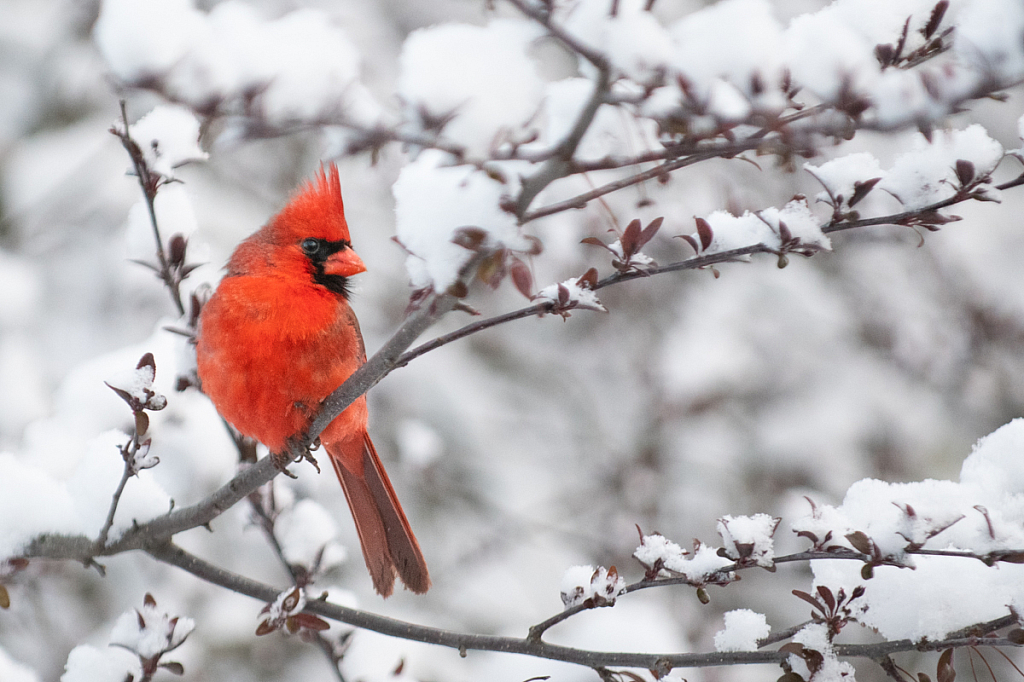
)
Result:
{"points": [[281, 460]]}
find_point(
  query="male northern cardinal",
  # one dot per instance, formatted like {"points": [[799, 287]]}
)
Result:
{"points": [[278, 336]]}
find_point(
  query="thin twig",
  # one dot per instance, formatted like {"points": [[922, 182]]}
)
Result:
{"points": [[150, 183], [101, 539]]}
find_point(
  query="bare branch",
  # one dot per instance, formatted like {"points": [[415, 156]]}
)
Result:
{"points": [[150, 183]]}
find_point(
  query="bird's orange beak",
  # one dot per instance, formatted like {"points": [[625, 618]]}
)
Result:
{"points": [[345, 263]]}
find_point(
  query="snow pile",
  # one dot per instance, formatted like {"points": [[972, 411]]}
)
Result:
{"points": [[149, 633], [750, 538], [308, 536], [982, 514], [433, 201], [570, 294], [829, 668], [845, 178], [478, 76], [658, 553], [633, 40], [600, 586], [792, 228], [298, 67], [928, 173], [743, 628], [168, 137], [87, 663], [729, 54]]}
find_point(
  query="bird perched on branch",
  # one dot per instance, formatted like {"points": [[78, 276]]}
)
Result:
{"points": [[278, 336]]}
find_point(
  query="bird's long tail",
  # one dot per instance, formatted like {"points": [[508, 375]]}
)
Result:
{"points": [[389, 547]]}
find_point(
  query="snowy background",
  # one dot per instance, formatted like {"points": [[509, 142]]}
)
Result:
{"points": [[540, 445]]}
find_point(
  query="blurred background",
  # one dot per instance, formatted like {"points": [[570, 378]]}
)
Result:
{"points": [[522, 450]]}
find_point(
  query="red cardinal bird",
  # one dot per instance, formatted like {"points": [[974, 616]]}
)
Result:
{"points": [[278, 336]]}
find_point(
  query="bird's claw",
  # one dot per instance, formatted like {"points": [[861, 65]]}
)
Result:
{"points": [[281, 460], [297, 451]]}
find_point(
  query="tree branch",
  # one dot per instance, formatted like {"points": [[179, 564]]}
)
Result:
{"points": [[176, 556]]}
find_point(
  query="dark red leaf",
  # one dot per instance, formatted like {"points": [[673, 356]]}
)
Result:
{"points": [[147, 360], [784, 234], [861, 190], [522, 277], [173, 667], [5, 598], [631, 238], [808, 598], [649, 232], [588, 280], [938, 12], [861, 542], [141, 423], [964, 172], [265, 628], [563, 295], [176, 250], [691, 241], [826, 595], [536, 247], [705, 233], [469, 237], [310, 621], [944, 670]]}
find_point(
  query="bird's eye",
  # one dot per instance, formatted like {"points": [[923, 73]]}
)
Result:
{"points": [[310, 246]]}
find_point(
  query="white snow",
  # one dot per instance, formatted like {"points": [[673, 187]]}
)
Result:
{"points": [[580, 583], [802, 224], [87, 663], [814, 636], [304, 530], [138, 383], [432, 202], [750, 536], [634, 40], [481, 74], [982, 513], [143, 39], [840, 176], [735, 232], [703, 564], [988, 38], [150, 632], [168, 137], [927, 174], [743, 628], [731, 42], [299, 67], [569, 295]]}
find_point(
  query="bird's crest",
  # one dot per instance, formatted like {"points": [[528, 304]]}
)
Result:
{"points": [[316, 210]]}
